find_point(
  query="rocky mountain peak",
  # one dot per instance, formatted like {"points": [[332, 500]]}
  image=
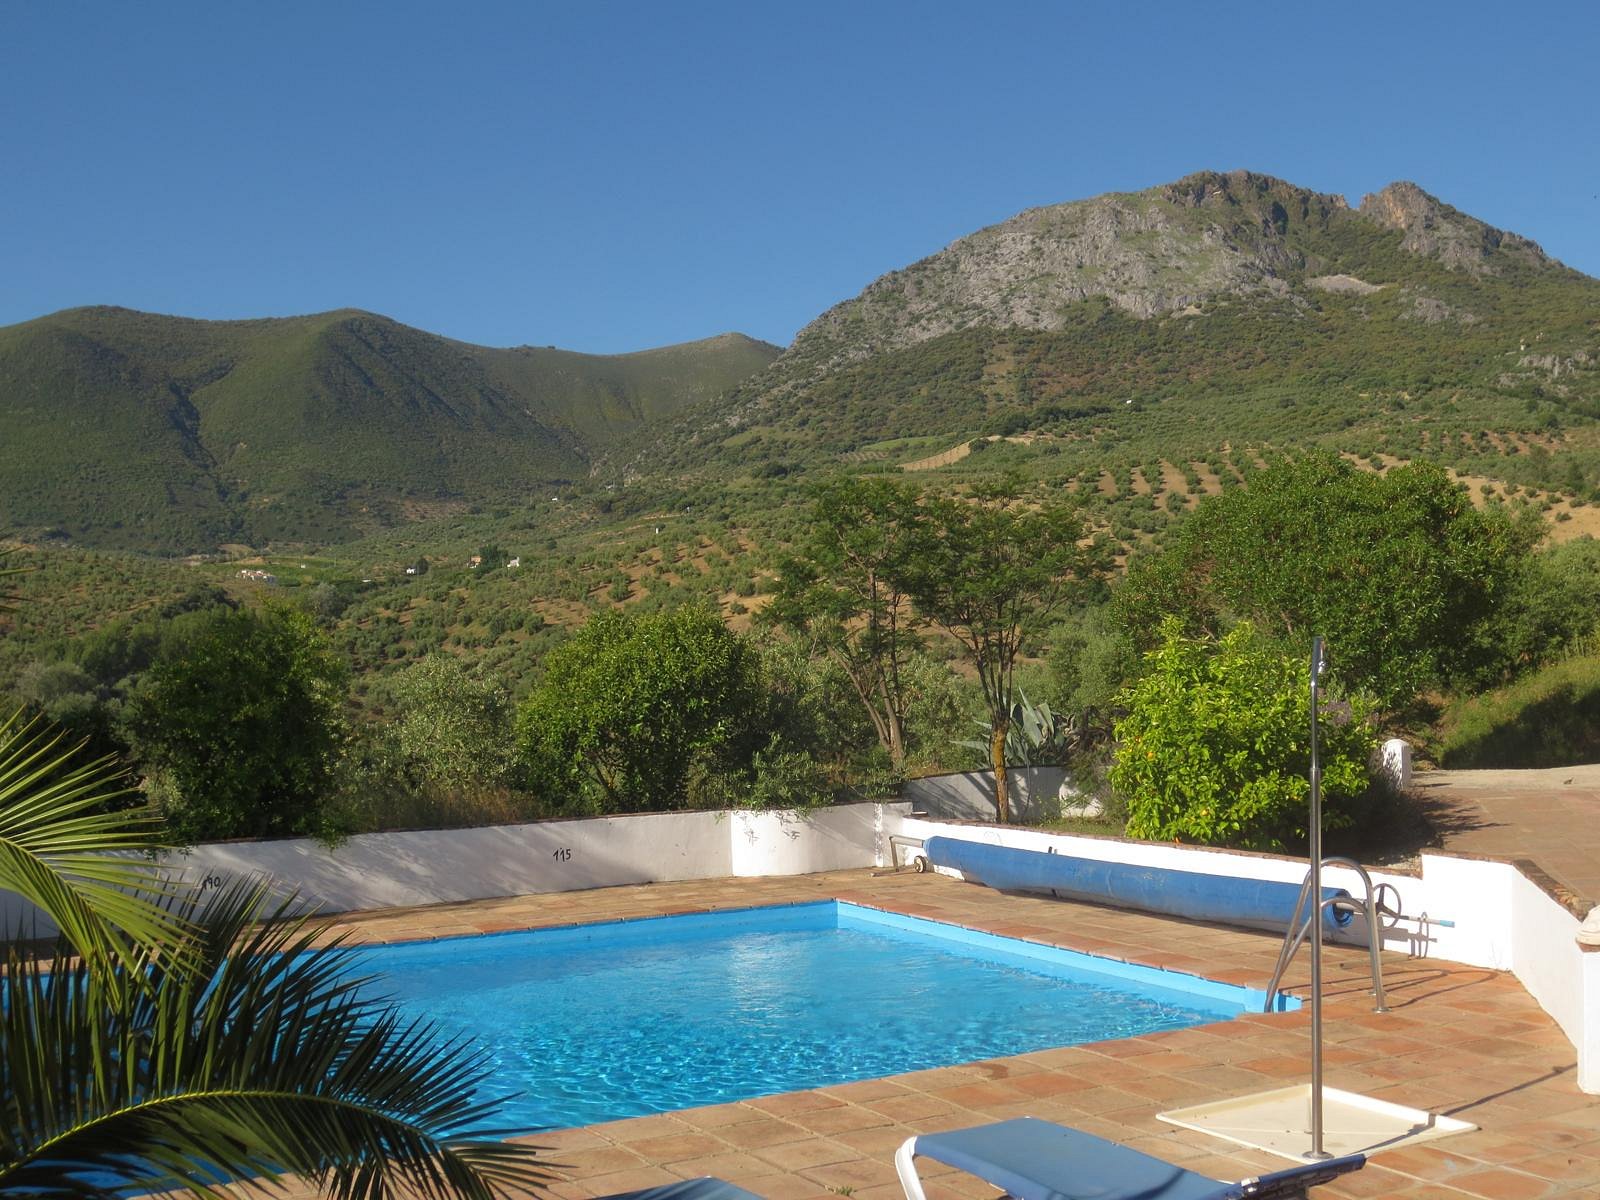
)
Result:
{"points": [[1232, 189], [1435, 230], [1149, 253], [1210, 239]]}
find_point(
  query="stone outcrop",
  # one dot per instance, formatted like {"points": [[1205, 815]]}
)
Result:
{"points": [[1433, 229], [1166, 251]]}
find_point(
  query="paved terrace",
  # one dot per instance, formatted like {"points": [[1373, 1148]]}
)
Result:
{"points": [[1462, 1041], [1548, 817]]}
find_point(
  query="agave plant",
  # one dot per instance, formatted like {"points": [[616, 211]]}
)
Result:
{"points": [[170, 1045], [1035, 735]]}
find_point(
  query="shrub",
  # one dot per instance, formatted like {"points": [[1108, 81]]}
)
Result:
{"points": [[453, 728], [634, 702], [1216, 745]]}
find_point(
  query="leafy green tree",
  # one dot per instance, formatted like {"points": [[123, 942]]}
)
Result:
{"points": [[1553, 605], [989, 570], [1216, 744], [454, 728], [327, 602], [1091, 658], [843, 594], [1399, 571], [492, 557], [634, 703], [84, 686], [238, 723]]}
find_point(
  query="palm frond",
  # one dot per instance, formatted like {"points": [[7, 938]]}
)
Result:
{"points": [[253, 1054], [60, 848]]}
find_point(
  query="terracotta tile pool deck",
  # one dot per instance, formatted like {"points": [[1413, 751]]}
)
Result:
{"points": [[1462, 1041]]}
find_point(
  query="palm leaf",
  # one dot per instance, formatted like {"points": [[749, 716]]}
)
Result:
{"points": [[62, 849], [252, 1055]]}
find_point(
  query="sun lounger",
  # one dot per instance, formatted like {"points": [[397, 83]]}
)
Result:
{"points": [[704, 1188], [1036, 1160]]}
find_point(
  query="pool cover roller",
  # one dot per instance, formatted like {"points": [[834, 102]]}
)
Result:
{"points": [[1221, 898]]}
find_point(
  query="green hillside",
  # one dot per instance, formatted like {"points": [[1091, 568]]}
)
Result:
{"points": [[138, 431], [601, 396]]}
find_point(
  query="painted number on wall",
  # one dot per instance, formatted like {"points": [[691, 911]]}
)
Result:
{"points": [[564, 854]]}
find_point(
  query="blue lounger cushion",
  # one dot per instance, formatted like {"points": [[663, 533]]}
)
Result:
{"points": [[1032, 1159], [704, 1188]]}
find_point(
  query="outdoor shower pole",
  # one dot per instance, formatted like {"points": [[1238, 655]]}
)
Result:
{"points": [[1319, 663]]}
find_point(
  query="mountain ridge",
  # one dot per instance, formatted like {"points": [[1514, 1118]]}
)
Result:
{"points": [[1111, 247], [146, 431], [1225, 306]]}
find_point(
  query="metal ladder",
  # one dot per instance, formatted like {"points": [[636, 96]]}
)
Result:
{"points": [[1300, 927]]}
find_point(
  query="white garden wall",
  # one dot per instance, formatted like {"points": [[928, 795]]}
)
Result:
{"points": [[387, 870], [384, 870]]}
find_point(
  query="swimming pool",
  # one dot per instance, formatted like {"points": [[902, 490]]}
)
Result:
{"points": [[597, 1022]]}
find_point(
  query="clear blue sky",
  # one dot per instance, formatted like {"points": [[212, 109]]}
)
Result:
{"points": [[611, 176]]}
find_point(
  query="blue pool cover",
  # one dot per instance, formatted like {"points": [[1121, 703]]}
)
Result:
{"points": [[1226, 899]]}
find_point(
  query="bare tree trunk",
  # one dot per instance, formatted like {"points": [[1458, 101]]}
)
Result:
{"points": [[997, 756], [893, 725]]}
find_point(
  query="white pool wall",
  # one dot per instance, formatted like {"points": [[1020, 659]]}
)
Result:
{"points": [[390, 870]]}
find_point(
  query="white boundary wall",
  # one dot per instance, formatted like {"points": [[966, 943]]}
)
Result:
{"points": [[1502, 919], [389, 870]]}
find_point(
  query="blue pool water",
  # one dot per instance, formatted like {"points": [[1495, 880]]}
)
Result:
{"points": [[597, 1022]]}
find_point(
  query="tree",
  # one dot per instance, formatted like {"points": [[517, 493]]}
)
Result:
{"points": [[454, 728], [1216, 745], [170, 1046], [1399, 571], [492, 557], [988, 570], [635, 703], [843, 593], [238, 722]]}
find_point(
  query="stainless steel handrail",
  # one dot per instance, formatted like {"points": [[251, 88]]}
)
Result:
{"points": [[1298, 929]]}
